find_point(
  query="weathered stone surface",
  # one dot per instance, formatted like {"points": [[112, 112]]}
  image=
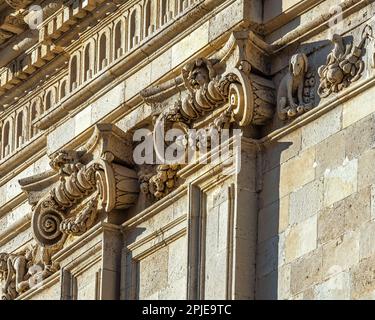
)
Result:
{"points": [[335, 288], [153, 273], [351, 113], [336, 257], [297, 172], [366, 176], [330, 153], [301, 239], [340, 182], [331, 222], [363, 278], [284, 149], [360, 137], [306, 271], [322, 128], [306, 201], [273, 219]]}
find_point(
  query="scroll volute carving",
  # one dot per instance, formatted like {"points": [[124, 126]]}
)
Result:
{"points": [[99, 177], [224, 81]]}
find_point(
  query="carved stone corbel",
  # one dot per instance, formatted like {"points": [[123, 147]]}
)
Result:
{"points": [[99, 177], [234, 79], [66, 201]]}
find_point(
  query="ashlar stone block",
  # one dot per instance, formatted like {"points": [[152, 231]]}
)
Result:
{"points": [[340, 182], [301, 239]]}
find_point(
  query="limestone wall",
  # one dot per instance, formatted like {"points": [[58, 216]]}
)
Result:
{"points": [[296, 222], [315, 237]]}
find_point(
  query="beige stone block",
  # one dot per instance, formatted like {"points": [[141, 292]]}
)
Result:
{"points": [[331, 222], [215, 283], [351, 111], [284, 149], [153, 273], [358, 209], [60, 136], [330, 153], [296, 172], [340, 182], [322, 128], [112, 100], [2, 195], [372, 208], [12, 188], [41, 165], [341, 254], [177, 261], [363, 278], [306, 271], [306, 201], [283, 287], [134, 117], [360, 137], [267, 256], [82, 120], [175, 291], [138, 81], [335, 288], [161, 65], [189, 45], [226, 19], [17, 213], [301, 239], [367, 240], [366, 174], [270, 188]]}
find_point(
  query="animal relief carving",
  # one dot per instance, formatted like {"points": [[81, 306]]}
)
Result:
{"points": [[295, 94]]}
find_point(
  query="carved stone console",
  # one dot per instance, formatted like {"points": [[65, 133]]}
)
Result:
{"points": [[67, 199], [231, 87]]}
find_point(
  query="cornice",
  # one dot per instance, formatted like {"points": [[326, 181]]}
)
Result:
{"points": [[316, 25]]}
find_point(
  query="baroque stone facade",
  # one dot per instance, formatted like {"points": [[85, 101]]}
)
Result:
{"points": [[268, 104]]}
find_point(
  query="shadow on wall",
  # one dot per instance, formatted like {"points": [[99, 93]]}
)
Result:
{"points": [[271, 9], [271, 219]]}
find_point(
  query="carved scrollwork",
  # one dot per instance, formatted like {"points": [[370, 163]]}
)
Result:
{"points": [[80, 223], [81, 183], [116, 187], [251, 96]]}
